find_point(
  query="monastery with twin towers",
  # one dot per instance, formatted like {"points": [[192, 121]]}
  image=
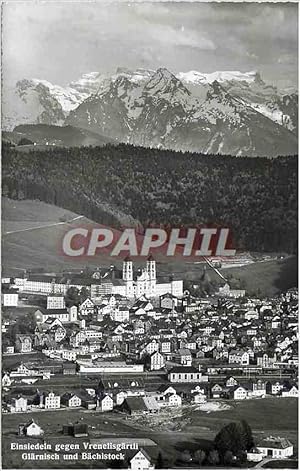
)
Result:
{"points": [[145, 282]]}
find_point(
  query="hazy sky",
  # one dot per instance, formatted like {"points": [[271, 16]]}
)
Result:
{"points": [[61, 41]]}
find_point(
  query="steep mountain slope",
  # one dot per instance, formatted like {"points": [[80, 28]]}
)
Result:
{"points": [[166, 103], [232, 126], [163, 112], [279, 106], [190, 111], [38, 102], [111, 112]]}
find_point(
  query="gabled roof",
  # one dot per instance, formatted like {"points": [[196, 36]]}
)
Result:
{"points": [[155, 353], [30, 423], [244, 386], [136, 404], [164, 387], [143, 453], [106, 396], [184, 351], [69, 395], [275, 442], [151, 403]]}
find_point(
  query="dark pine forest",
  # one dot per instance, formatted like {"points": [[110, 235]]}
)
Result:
{"points": [[255, 197]]}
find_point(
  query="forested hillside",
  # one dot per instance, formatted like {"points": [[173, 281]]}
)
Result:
{"points": [[255, 197]]}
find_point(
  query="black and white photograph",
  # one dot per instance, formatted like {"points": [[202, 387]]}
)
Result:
{"points": [[149, 229]]}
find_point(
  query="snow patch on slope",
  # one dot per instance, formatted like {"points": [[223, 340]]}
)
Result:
{"points": [[274, 114], [221, 76], [69, 98]]}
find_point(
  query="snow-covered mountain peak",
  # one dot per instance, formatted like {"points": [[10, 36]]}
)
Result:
{"points": [[217, 89], [195, 77], [165, 73], [224, 111], [164, 82], [217, 92], [136, 75], [161, 77], [67, 97]]}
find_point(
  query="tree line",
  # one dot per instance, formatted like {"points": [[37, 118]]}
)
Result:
{"points": [[255, 197]]}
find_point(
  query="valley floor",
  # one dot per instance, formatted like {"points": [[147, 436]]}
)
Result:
{"points": [[176, 430]]}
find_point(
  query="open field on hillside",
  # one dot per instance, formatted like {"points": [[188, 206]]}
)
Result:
{"points": [[262, 414], [270, 277], [270, 416], [41, 247]]}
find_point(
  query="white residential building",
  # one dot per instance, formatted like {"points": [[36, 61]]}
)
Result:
{"points": [[18, 404], [31, 429], [239, 393], [56, 301], [10, 297], [157, 361], [276, 447], [141, 462], [186, 374], [51, 400], [238, 356], [106, 403]]}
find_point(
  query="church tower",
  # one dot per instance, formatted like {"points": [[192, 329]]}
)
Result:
{"points": [[128, 276], [151, 270]]}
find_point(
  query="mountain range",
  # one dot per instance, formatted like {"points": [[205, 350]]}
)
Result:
{"points": [[223, 112]]}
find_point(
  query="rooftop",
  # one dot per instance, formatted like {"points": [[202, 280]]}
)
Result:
{"points": [[275, 442]]}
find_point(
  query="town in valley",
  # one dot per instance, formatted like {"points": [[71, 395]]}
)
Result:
{"points": [[126, 367]]}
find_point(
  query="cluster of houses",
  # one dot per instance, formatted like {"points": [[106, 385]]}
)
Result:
{"points": [[149, 352], [136, 395], [239, 390], [33, 400], [156, 333]]}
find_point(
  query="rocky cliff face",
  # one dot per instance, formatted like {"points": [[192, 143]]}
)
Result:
{"points": [[222, 112]]}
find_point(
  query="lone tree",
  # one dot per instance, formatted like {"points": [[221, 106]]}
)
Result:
{"points": [[234, 437], [72, 297]]}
